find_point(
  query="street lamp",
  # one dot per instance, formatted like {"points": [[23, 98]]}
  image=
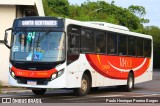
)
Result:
{"points": [[94, 11]]}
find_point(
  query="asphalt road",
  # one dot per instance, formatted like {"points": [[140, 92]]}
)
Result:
{"points": [[147, 92]]}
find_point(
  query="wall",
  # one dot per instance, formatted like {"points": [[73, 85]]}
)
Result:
{"points": [[7, 15]]}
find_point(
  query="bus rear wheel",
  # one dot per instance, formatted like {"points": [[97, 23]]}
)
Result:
{"points": [[39, 91], [85, 87], [130, 83]]}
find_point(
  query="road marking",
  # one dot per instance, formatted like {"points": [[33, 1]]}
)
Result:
{"points": [[89, 100], [146, 95], [19, 91], [16, 95], [109, 96]]}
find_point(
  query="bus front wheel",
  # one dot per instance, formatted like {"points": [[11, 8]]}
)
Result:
{"points": [[85, 86], [39, 91]]}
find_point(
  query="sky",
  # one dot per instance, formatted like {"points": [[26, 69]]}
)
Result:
{"points": [[152, 8]]}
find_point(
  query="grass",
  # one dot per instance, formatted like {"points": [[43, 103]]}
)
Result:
{"points": [[0, 87]]}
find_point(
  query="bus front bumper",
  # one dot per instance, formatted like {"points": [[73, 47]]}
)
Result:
{"points": [[59, 82]]}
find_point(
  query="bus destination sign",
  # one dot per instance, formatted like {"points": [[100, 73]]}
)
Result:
{"points": [[39, 23]]}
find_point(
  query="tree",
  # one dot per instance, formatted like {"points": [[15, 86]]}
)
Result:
{"points": [[47, 9], [58, 7], [139, 11], [154, 31], [105, 13]]}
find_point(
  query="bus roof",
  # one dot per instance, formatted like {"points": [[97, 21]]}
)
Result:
{"points": [[107, 27]]}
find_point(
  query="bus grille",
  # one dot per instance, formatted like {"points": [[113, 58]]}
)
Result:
{"points": [[40, 81]]}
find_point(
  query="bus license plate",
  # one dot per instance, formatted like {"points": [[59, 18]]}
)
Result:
{"points": [[31, 82]]}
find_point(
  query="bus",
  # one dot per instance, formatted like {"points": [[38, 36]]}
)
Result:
{"points": [[52, 52]]}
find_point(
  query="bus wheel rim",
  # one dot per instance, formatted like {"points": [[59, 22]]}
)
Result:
{"points": [[130, 82], [84, 85]]}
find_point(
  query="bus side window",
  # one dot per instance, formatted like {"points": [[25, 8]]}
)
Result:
{"points": [[100, 42], [73, 48], [112, 43], [147, 48], [139, 46], [74, 44], [131, 46], [122, 44], [87, 41]]}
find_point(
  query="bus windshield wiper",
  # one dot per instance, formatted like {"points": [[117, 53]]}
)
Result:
{"points": [[40, 38]]}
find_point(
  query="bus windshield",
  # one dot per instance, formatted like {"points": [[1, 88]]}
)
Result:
{"points": [[40, 46]]}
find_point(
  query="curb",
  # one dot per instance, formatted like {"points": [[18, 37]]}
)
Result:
{"points": [[15, 91]]}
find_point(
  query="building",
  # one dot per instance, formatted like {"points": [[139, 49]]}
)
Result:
{"points": [[9, 10]]}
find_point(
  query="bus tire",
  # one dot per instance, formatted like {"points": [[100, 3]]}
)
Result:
{"points": [[39, 91], [130, 83], [85, 86]]}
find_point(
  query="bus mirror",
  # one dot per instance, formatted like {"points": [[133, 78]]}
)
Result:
{"points": [[6, 38]]}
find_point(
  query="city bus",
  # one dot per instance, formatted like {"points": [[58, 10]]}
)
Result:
{"points": [[52, 52]]}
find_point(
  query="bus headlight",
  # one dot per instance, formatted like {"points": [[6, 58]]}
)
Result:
{"points": [[54, 76], [58, 74], [12, 74]]}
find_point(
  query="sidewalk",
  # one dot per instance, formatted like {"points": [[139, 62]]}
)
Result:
{"points": [[14, 90]]}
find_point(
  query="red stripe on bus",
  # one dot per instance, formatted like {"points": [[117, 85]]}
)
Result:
{"points": [[117, 67], [33, 74]]}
